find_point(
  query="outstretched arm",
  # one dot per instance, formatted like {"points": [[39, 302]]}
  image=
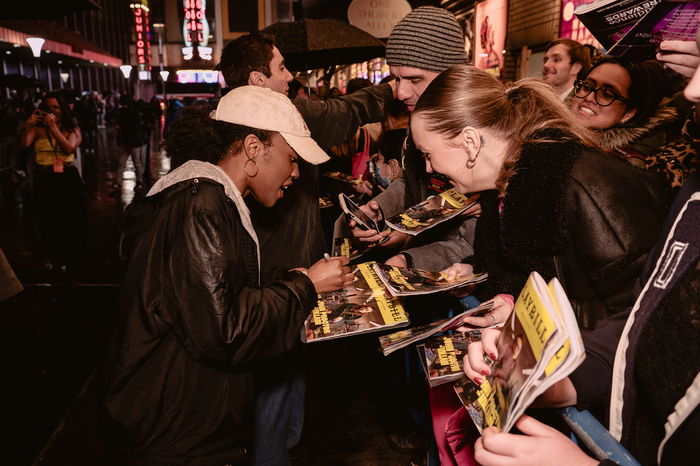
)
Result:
{"points": [[336, 120]]}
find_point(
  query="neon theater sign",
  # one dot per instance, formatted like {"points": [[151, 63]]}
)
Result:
{"points": [[195, 30], [143, 40]]}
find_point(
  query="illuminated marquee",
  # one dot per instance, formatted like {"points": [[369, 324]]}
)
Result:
{"points": [[197, 76], [195, 29], [143, 39]]}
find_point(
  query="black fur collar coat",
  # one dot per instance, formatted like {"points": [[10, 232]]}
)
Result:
{"points": [[571, 212]]}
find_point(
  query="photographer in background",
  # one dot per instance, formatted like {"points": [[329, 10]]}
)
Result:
{"points": [[58, 189]]}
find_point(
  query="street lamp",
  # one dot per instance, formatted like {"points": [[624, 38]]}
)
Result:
{"points": [[164, 75], [126, 71], [36, 43]]}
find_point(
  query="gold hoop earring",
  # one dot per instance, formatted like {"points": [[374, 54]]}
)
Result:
{"points": [[245, 168]]}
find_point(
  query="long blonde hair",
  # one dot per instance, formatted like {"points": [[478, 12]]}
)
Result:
{"points": [[517, 112]]}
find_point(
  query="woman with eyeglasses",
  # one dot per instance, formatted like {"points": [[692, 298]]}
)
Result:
{"points": [[624, 106], [551, 200], [651, 379]]}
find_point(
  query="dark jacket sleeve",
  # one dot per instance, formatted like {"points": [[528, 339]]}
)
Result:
{"points": [[217, 316], [336, 120], [615, 216], [593, 378]]}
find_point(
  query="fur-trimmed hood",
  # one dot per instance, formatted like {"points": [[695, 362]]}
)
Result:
{"points": [[622, 136]]}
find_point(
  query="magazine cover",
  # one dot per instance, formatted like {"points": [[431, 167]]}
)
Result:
{"points": [[352, 248], [609, 20], [531, 355], [572, 28], [342, 177], [401, 281], [431, 212], [441, 356], [401, 339], [668, 20], [365, 306]]}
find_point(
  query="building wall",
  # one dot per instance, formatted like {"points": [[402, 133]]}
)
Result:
{"points": [[173, 39], [532, 24], [106, 29]]}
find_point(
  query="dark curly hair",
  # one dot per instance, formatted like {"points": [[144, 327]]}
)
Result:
{"points": [[67, 122], [242, 56], [193, 135]]}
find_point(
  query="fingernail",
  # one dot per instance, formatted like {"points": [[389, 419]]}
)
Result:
{"points": [[485, 371], [492, 356], [478, 380]]}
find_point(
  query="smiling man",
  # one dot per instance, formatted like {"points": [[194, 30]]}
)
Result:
{"points": [[564, 61]]}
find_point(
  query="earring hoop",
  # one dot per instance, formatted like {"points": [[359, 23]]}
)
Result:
{"points": [[245, 168], [471, 162]]}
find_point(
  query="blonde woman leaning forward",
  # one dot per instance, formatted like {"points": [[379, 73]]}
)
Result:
{"points": [[551, 201]]}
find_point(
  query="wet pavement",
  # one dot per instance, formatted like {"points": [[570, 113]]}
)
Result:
{"points": [[52, 337]]}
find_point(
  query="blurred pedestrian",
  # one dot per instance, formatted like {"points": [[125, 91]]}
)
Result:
{"points": [[297, 90], [58, 189], [100, 105], [132, 140]]}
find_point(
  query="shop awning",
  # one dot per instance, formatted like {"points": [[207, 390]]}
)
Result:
{"points": [[59, 39]]}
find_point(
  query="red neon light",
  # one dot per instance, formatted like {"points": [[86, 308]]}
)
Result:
{"points": [[194, 15], [143, 44]]}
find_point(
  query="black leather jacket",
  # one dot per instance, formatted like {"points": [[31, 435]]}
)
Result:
{"points": [[581, 215], [193, 321]]}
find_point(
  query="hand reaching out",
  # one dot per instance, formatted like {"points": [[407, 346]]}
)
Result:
{"points": [[499, 313], [398, 260], [458, 270], [540, 446], [364, 188], [681, 56], [370, 236]]}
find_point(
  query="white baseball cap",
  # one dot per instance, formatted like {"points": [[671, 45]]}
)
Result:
{"points": [[262, 108]]}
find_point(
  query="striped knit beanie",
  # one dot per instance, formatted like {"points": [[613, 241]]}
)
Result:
{"points": [[428, 38]]}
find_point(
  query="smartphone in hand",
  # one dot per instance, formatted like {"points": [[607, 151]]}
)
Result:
{"points": [[361, 218]]}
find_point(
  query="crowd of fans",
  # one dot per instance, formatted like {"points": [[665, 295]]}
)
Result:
{"points": [[576, 175]]}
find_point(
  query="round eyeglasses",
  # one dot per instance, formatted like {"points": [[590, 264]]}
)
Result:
{"points": [[603, 96]]}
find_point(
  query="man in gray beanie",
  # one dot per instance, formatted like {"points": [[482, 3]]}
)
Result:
{"points": [[424, 43]]}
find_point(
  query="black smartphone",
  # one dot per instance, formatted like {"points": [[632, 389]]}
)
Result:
{"points": [[362, 220], [39, 115]]}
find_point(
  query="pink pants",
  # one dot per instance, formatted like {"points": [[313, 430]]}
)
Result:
{"points": [[445, 406]]}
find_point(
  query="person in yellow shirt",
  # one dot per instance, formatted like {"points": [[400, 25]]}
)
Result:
{"points": [[59, 195]]}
